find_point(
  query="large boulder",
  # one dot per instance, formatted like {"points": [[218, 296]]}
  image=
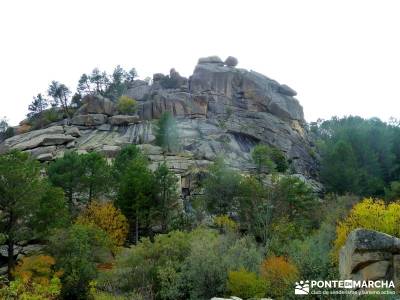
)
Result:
{"points": [[119, 120], [96, 105], [370, 255], [139, 90], [44, 140], [210, 60], [89, 120], [231, 61], [245, 90], [25, 137]]}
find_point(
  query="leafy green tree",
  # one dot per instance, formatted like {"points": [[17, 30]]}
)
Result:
{"points": [[29, 205], [60, 96], [67, 172], [167, 193], [96, 174], [5, 131], [77, 250], [292, 197], [221, 188], [3, 125], [121, 162], [84, 176], [359, 156], [100, 81], [84, 85], [255, 208], [339, 168], [393, 191], [136, 194], [167, 135], [117, 86], [38, 105], [262, 158], [279, 159], [131, 75]]}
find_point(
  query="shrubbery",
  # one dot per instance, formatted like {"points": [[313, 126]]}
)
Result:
{"points": [[126, 105], [108, 218], [368, 214], [280, 275], [246, 284]]}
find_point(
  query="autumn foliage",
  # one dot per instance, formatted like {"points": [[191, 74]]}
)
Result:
{"points": [[279, 274], [368, 214], [108, 218], [35, 278]]}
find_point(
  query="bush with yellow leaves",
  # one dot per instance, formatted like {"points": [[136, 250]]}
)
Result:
{"points": [[225, 223], [108, 218], [279, 274], [368, 214], [126, 105], [35, 278]]}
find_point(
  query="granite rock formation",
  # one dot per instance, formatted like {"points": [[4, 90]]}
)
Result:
{"points": [[370, 255], [220, 110]]}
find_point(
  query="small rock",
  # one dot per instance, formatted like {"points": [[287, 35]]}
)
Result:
{"points": [[45, 157], [74, 131], [110, 151], [231, 61], [70, 145]]}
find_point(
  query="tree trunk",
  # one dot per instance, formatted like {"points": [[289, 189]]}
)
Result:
{"points": [[11, 262], [136, 229]]}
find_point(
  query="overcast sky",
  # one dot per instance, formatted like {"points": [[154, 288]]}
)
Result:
{"points": [[342, 57]]}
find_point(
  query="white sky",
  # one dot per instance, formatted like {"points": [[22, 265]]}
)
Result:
{"points": [[342, 57]]}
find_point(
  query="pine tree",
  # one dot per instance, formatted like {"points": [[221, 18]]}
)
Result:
{"points": [[38, 105], [167, 135]]}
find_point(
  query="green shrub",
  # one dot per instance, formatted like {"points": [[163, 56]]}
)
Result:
{"points": [[393, 191], [181, 265], [126, 105], [279, 159], [77, 251], [245, 284]]}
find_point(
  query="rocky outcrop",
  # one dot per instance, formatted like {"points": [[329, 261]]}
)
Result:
{"points": [[89, 120], [123, 120], [39, 138], [220, 110], [97, 105], [370, 255]]}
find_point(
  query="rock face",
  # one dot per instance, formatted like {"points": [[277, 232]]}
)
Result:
{"points": [[220, 110], [97, 105], [370, 255]]}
